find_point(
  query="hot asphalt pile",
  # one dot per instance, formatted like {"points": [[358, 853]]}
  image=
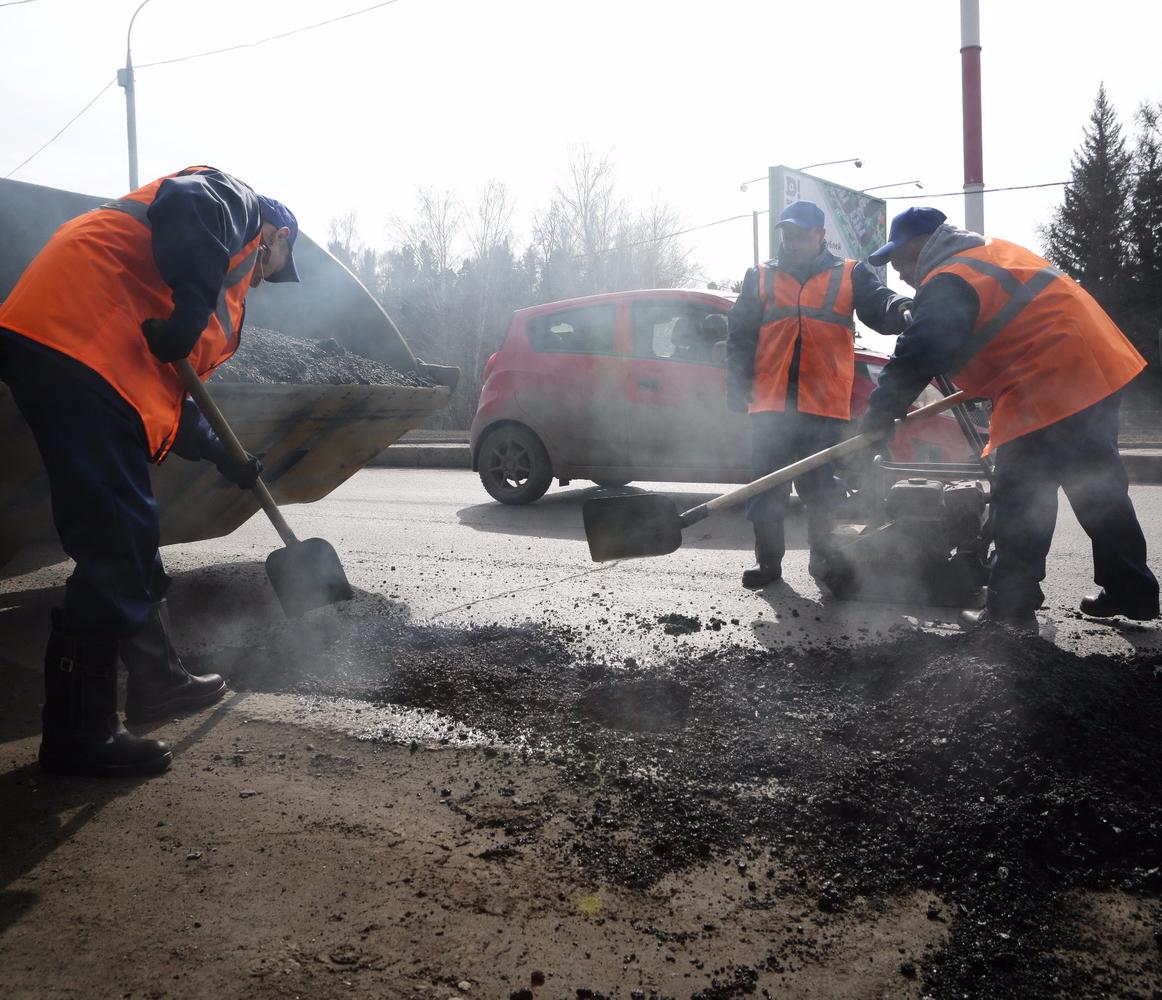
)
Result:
{"points": [[266, 356], [997, 774]]}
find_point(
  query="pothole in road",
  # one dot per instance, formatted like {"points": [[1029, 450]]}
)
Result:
{"points": [[639, 706]]}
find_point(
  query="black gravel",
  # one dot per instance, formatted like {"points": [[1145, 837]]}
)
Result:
{"points": [[996, 773], [267, 356]]}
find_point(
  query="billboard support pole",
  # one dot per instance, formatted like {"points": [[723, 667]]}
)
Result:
{"points": [[755, 229]]}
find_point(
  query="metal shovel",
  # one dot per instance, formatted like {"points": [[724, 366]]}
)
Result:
{"points": [[305, 574], [648, 524]]}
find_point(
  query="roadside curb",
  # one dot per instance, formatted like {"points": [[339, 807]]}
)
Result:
{"points": [[1143, 466], [430, 455]]}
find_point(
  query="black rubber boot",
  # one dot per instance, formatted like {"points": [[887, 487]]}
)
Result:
{"points": [[1025, 624], [82, 731], [1101, 605], [768, 551], [159, 685]]}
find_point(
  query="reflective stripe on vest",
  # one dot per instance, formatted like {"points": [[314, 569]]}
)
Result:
{"points": [[140, 211], [825, 314], [1020, 295], [1042, 349], [95, 282], [814, 316]]}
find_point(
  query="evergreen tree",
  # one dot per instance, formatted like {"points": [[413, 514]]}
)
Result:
{"points": [[1089, 235], [1143, 323]]}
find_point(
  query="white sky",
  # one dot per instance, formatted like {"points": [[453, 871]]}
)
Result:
{"points": [[688, 99]]}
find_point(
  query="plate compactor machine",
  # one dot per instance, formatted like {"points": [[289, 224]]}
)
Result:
{"points": [[923, 533]]}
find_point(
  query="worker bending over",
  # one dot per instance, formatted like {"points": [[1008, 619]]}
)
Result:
{"points": [[87, 341], [1007, 326]]}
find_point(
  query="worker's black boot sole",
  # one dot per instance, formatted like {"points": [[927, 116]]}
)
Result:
{"points": [[82, 732], [1022, 624], [1101, 606], [200, 692], [126, 760], [756, 579]]}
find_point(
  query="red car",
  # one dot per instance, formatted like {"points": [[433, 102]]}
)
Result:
{"points": [[630, 386]]}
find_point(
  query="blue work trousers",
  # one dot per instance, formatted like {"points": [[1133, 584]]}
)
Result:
{"points": [[1079, 454], [95, 452], [777, 440]]}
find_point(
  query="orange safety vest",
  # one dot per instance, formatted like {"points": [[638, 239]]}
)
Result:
{"points": [[818, 315], [1042, 348], [89, 289]]}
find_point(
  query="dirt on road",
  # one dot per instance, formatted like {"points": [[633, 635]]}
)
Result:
{"points": [[387, 809]]}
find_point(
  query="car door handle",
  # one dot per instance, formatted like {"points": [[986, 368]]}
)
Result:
{"points": [[649, 383]]}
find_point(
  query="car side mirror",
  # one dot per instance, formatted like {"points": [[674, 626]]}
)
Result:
{"points": [[718, 354]]}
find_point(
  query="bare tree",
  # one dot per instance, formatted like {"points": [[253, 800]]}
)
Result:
{"points": [[344, 241], [489, 224], [435, 226]]}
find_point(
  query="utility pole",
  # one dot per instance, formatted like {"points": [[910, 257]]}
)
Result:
{"points": [[125, 79], [970, 103]]}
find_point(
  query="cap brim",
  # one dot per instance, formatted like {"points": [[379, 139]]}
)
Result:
{"points": [[792, 222], [883, 254], [288, 272]]}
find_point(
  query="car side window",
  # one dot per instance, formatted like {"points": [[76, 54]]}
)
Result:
{"points": [[588, 330], [678, 331]]}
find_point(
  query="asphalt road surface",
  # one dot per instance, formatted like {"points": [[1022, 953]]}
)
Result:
{"points": [[435, 542]]}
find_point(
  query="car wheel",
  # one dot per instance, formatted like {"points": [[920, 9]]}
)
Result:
{"points": [[612, 484], [514, 466]]}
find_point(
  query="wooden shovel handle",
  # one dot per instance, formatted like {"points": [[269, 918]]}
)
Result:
{"points": [[201, 395], [852, 444]]}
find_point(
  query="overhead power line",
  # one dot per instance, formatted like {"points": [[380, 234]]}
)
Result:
{"points": [[659, 239], [957, 194], [62, 129], [749, 215], [268, 38], [195, 55]]}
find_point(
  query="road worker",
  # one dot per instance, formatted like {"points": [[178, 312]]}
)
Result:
{"points": [[790, 362], [87, 340], [1009, 327]]}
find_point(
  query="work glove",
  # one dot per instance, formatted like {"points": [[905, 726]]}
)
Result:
{"points": [[878, 425], [737, 399], [901, 312], [168, 341], [242, 473]]}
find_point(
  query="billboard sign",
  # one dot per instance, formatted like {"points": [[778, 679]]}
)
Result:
{"points": [[856, 223]]}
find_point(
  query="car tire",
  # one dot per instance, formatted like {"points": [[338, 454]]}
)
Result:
{"points": [[612, 484], [513, 465]]}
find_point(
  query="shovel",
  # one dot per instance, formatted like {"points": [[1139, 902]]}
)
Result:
{"points": [[650, 525], [305, 574]]}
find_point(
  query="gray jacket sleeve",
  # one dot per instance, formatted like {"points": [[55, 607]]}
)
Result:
{"points": [[943, 318], [876, 305], [743, 323]]}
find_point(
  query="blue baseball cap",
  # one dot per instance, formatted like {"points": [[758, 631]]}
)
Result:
{"points": [[804, 214], [909, 224], [279, 216]]}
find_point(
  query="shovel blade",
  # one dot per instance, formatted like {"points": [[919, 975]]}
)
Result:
{"points": [[307, 575], [628, 527]]}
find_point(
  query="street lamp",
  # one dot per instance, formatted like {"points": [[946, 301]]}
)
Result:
{"points": [[828, 163], [878, 187], [125, 79]]}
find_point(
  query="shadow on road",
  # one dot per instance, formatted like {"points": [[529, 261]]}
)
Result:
{"points": [[210, 606]]}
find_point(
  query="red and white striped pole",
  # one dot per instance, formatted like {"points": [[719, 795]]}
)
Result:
{"points": [[970, 100]]}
